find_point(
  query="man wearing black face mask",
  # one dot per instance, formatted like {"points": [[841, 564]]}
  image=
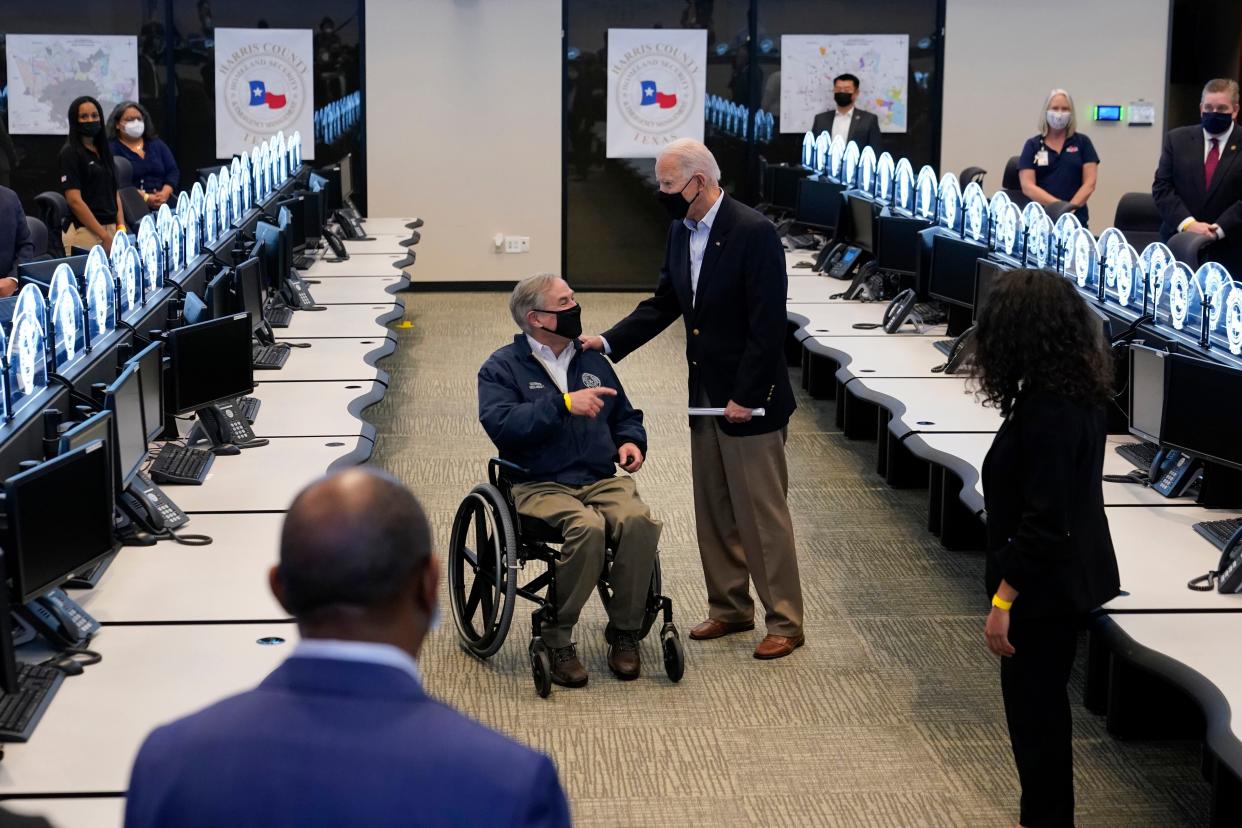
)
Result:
{"points": [[848, 121], [560, 412], [1198, 184]]}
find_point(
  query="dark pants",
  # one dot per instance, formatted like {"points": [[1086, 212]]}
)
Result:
{"points": [[1034, 684]]}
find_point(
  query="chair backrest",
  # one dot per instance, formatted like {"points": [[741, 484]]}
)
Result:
{"points": [[970, 174], [38, 236], [1009, 180], [1017, 196], [135, 206], [1188, 248], [124, 171], [1137, 211], [54, 211]]}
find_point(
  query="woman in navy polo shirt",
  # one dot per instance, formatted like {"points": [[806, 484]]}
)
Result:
{"points": [[133, 138], [1060, 163]]}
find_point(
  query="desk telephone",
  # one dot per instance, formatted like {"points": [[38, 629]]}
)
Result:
{"points": [[334, 242], [1174, 474], [1227, 577], [898, 310], [297, 294], [59, 619], [350, 224], [148, 507], [961, 352], [841, 265]]}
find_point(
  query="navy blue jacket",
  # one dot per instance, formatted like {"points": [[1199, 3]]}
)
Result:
{"points": [[153, 171], [524, 413], [326, 743], [15, 244]]}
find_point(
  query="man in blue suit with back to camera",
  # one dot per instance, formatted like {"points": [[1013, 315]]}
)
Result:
{"points": [[15, 244], [343, 733]]}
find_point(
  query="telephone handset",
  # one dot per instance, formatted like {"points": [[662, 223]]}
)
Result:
{"points": [[1227, 577], [961, 352], [60, 619], [148, 507], [898, 310], [858, 287], [338, 246], [1173, 473]]}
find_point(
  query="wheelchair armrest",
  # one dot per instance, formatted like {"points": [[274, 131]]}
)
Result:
{"points": [[496, 467]]}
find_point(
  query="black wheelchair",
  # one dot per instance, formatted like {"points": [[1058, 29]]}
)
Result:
{"points": [[490, 542]]}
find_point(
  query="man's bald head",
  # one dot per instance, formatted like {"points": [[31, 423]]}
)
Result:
{"points": [[351, 541]]}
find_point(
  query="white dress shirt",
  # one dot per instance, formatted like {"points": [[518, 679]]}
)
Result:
{"points": [[557, 366], [841, 124], [699, 232], [366, 652]]}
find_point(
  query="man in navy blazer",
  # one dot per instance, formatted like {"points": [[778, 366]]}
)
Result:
{"points": [[15, 244], [343, 733]]}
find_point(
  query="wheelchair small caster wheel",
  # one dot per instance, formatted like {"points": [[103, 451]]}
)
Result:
{"points": [[674, 653], [541, 668]]}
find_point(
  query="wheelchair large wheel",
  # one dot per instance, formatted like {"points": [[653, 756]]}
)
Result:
{"points": [[604, 588], [482, 570]]}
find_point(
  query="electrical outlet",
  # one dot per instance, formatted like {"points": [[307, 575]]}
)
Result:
{"points": [[517, 244]]}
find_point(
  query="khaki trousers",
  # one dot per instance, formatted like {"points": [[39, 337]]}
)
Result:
{"points": [[81, 237], [744, 529], [586, 516]]}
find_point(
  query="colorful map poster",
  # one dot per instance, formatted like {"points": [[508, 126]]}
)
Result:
{"points": [[47, 71], [810, 62]]}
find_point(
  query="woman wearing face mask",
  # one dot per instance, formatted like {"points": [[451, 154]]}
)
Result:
{"points": [[1060, 163], [89, 179], [133, 138]]}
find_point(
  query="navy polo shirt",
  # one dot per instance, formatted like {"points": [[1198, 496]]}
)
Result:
{"points": [[1062, 176]]}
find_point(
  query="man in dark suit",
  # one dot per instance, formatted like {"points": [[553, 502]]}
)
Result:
{"points": [[846, 120], [15, 243], [343, 733], [1198, 184], [724, 276]]}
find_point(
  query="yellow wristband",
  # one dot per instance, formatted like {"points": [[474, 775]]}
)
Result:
{"points": [[1001, 603], [120, 228], [569, 406]]}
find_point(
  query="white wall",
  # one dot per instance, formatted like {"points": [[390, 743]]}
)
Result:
{"points": [[1002, 57], [463, 102]]}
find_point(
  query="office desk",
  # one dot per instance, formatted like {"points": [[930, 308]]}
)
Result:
{"points": [[389, 225], [85, 812], [926, 405], [266, 479], [363, 290], [793, 257], [905, 354], [806, 288], [376, 244], [315, 409], [378, 265], [334, 359], [150, 675], [223, 582], [343, 321], [838, 318]]}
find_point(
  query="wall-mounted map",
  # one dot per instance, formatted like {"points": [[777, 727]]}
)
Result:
{"points": [[47, 71]]}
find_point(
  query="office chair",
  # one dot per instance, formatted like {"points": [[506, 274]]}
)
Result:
{"points": [[1188, 247], [970, 174], [1138, 218], [54, 212], [1012, 185], [124, 172], [38, 237], [134, 205]]}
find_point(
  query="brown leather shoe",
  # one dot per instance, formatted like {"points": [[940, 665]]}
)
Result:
{"points": [[778, 646], [712, 628], [623, 657], [567, 670]]}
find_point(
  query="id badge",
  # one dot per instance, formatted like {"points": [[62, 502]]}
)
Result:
{"points": [[1041, 158]]}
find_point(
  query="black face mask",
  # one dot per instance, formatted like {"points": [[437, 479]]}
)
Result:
{"points": [[843, 99], [568, 322], [89, 128], [674, 204]]}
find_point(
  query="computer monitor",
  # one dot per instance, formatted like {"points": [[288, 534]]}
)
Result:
{"points": [[314, 217], [862, 221], [296, 226], [43, 271], [219, 295], [819, 203], [897, 243], [987, 273], [209, 363], [98, 426], [347, 177], [1146, 392], [124, 399], [953, 270], [150, 362], [1197, 419], [785, 185], [272, 254], [59, 520], [249, 285]]}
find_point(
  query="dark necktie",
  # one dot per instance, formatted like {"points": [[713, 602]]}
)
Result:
{"points": [[1209, 166]]}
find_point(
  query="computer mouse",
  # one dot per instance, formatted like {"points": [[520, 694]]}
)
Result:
{"points": [[226, 449]]}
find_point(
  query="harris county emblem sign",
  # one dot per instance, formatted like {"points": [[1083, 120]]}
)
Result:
{"points": [[656, 83], [263, 86]]}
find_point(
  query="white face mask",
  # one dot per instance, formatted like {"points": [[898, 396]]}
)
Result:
{"points": [[1058, 119], [134, 129]]}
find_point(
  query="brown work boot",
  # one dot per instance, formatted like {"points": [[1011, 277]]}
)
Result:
{"points": [[623, 657], [567, 670]]}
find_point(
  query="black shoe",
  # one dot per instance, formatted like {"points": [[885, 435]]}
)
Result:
{"points": [[567, 670], [623, 657]]}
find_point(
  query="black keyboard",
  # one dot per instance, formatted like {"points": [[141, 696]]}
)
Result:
{"points": [[1139, 455], [250, 408], [302, 263], [279, 317], [22, 710], [1218, 532], [269, 357], [944, 346], [178, 465]]}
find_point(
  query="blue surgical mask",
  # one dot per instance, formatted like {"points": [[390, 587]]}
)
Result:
{"points": [[1215, 123]]}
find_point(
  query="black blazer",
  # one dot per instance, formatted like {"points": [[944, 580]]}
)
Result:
{"points": [[1046, 529], [1180, 192], [735, 328], [864, 128]]}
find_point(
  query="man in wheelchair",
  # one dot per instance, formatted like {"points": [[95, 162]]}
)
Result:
{"points": [[560, 413]]}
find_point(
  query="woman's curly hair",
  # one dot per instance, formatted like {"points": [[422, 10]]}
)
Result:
{"points": [[1036, 333]]}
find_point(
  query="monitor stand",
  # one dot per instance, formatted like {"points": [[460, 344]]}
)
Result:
{"points": [[89, 578]]}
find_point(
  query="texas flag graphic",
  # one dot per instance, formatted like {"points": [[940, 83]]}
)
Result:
{"points": [[259, 96], [652, 96]]}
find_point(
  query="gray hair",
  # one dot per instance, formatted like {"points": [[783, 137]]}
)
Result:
{"points": [[692, 157], [1226, 85], [1043, 113], [528, 295]]}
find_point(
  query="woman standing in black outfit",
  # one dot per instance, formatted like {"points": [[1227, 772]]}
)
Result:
{"points": [[1042, 359], [89, 179]]}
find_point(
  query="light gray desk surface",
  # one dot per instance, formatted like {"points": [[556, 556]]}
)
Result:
{"points": [[388, 225], [837, 319], [315, 409], [83, 812], [897, 355], [378, 265], [964, 453], [921, 405], [150, 675], [377, 244], [347, 321], [815, 289], [363, 290], [793, 257], [225, 581], [335, 359], [266, 479]]}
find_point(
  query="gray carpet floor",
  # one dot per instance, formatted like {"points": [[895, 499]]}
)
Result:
{"points": [[890, 715]]}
